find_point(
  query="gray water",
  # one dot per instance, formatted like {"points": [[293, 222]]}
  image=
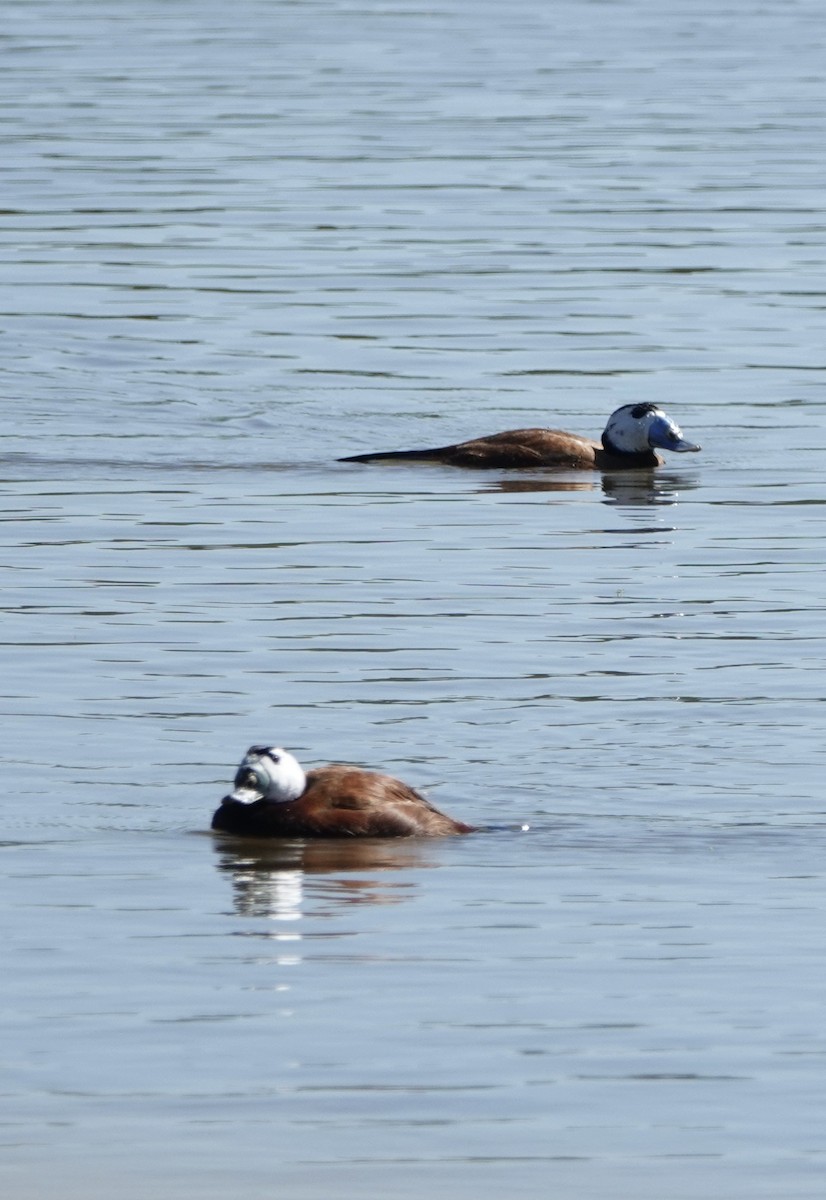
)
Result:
{"points": [[238, 242]]}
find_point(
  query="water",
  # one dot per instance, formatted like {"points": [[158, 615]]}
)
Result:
{"points": [[239, 243]]}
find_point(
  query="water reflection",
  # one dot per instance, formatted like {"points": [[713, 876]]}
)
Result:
{"points": [[268, 878], [632, 488], [538, 483]]}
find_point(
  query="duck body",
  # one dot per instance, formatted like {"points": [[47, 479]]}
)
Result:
{"points": [[274, 797], [629, 442]]}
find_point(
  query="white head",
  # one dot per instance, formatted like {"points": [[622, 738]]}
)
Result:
{"points": [[268, 773], [637, 428]]}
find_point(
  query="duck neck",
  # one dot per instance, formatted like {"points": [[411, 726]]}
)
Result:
{"points": [[626, 458]]}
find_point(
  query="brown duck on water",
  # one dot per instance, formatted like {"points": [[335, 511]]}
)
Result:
{"points": [[273, 797], [631, 437]]}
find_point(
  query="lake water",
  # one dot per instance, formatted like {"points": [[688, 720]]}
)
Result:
{"points": [[238, 242]]}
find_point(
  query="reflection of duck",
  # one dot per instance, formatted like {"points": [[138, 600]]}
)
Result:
{"points": [[629, 441], [536, 482], [273, 797], [269, 878], [639, 490]]}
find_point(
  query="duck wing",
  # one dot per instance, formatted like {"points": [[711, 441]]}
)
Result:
{"points": [[342, 801], [512, 448]]}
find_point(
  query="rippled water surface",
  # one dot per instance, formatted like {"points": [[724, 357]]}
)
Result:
{"points": [[238, 243]]}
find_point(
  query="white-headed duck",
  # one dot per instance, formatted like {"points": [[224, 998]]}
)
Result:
{"points": [[273, 797], [628, 442]]}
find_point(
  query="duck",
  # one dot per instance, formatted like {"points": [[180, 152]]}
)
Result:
{"points": [[630, 440], [273, 796]]}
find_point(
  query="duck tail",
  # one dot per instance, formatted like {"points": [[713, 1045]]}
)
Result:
{"points": [[379, 455]]}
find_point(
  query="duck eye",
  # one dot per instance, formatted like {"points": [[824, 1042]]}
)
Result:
{"points": [[276, 758]]}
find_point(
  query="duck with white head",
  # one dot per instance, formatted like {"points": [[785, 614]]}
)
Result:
{"points": [[273, 796], [630, 441]]}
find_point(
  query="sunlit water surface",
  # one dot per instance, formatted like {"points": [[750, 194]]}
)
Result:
{"points": [[239, 242]]}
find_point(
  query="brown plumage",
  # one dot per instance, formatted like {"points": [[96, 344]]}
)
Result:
{"points": [[522, 448], [336, 802]]}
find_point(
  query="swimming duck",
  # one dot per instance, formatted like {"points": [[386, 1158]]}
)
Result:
{"points": [[629, 441], [273, 797]]}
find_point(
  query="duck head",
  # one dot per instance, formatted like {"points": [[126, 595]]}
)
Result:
{"points": [[638, 428], [267, 773]]}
